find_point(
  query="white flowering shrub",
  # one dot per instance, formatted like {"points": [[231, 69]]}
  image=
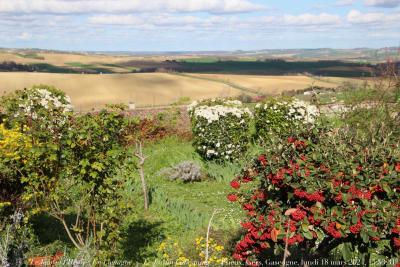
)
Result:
{"points": [[43, 108], [283, 116], [220, 128]]}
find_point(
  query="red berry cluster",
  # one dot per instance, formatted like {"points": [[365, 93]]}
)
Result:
{"points": [[396, 235], [314, 197], [298, 215], [331, 229]]}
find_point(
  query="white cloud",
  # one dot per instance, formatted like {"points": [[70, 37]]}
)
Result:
{"points": [[127, 6], [383, 3], [115, 20], [376, 18], [311, 19], [223, 22], [25, 36], [345, 2]]}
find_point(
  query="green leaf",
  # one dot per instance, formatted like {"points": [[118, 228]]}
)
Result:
{"points": [[320, 234], [373, 233], [308, 235], [344, 198], [364, 236], [354, 219], [347, 252]]}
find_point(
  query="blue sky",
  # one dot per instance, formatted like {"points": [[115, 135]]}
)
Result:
{"points": [[201, 25]]}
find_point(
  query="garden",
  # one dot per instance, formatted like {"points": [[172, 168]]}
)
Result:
{"points": [[289, 181]]}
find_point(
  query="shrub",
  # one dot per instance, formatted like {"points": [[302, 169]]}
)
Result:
{"points": [[13, 148], [70, 166], [15, 239], [44, 109], [220, 128], [282, 116], [186, 171], [245, 98], [314, 195]]}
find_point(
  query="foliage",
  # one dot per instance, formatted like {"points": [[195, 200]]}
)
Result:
{"points": [[172, 252], [220, 129], [245, 98], [279, 117], [13, 148], [71, 166], [146, 129], [93, 152], [15, 240], [44, 109], [186, 171], [316, 194]]}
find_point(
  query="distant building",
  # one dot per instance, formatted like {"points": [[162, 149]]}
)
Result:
{"points": [[131, 105]]}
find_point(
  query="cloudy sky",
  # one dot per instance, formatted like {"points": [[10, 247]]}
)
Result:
{"points": [[187, 25]]}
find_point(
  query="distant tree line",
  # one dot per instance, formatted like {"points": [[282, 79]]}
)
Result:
{"points": [[13, 66]]}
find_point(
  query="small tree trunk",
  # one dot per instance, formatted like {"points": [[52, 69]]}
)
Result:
{"points": [[367, 259], [286, 252], [144, 188], [142, 159], [208, 237]]}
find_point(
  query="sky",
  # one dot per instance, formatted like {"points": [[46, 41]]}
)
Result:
{"points": [[198, 25]]}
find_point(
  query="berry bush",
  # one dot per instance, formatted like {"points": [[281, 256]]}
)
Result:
{"points": [[315, 194]]}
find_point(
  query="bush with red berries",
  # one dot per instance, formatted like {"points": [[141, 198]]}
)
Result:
{"points": [[315, 194]]}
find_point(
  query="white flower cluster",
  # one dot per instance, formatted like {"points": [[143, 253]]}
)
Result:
{"points": [[42, 98], [296, 110], [49, 109], [224, 151], [214, 113], [220, 128]]}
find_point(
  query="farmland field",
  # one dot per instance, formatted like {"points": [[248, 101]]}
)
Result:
{"points": [[147, 89], [273, 85], [94, 91]]}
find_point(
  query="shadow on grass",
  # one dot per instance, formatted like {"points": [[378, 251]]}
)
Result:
{"points": [[139, 239], [48, 229]]}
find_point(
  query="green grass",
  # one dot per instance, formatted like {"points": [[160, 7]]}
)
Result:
{"points": [[30, 55], [80, 65], [180, 210], [44, 67], [90, 67], [201, 60]]}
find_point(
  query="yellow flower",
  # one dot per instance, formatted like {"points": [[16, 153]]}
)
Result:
{"points": [[219, 248], [198, 240], [162, 246], [12, 142]]}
